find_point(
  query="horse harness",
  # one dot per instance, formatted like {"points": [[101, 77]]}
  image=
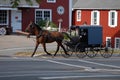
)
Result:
{"points": [[43, 35], [48, 36]]}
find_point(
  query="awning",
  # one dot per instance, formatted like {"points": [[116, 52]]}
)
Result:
{"points": [[23, 3], [7, 8]]}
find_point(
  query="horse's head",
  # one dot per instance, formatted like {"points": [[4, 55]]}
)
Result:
{"points": [[32, 28]]}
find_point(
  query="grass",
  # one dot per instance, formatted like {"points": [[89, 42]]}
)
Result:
{"points": [[25, 53], [29, 53]]}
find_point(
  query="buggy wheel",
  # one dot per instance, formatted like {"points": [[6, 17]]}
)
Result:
{"points": [[68, 51], [79, 52], [107, 52], [92, 52]]}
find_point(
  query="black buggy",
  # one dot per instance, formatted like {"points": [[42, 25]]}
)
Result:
{"points": [[87, 41]]}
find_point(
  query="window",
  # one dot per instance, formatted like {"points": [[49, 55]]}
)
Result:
{"points": [[43, 14], [117, 43], [95, 18], [51, 1], [3, 17], [108, 41], [78, 15], [112, 18]]}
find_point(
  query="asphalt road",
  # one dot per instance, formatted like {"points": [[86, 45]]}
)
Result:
{"points": [[48, 68], [59, 68]]}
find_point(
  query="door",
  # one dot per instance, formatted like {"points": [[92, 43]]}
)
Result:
{"points": [[16, 20]]}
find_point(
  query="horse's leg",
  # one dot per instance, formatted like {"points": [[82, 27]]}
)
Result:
{"points": [[44, 47], [63, 48], [57, 50], [37, 44]]}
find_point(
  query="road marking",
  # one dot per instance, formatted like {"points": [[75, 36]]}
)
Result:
{"points": [[67, 77], [16, 48], [66, 64], [84, 67], [19, 75], [112, 66]]}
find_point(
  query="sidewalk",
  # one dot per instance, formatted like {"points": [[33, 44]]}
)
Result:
{"points": [[15, 41], [11, 44]]}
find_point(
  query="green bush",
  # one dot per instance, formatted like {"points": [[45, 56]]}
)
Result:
{"points": [[53, 25], [42, 23]]}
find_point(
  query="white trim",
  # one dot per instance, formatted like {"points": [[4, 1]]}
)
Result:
{"points": [[78, 15], [107, 39], [7, 18], [97, 17], [43, 13], [8, 8], [110, 18], [28, 6], [116, 43], [70, 12], [51, 1]]}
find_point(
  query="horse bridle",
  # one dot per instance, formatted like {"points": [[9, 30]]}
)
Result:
{"points": [[30, 30]]}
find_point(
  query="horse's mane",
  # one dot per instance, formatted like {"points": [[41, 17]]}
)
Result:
{"points": [[38, 27]]}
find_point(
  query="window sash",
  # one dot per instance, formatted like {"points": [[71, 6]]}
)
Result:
{"points": [[108, 41], [78, 15], [51, 1], [112, 18], [95, 18], [43, 14], [3, 17], [117, 43]]}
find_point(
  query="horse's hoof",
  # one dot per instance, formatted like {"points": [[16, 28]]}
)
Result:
{"points": [[53, 56], [68, 54]]}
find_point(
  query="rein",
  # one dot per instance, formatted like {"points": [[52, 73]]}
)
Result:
{"points": [[40, 34]]}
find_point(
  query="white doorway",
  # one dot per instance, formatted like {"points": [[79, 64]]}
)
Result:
{"points": [[16, 22]]}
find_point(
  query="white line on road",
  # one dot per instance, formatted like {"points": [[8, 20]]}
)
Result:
{"points": [[78, 66], [87, 68], [112, 66], [16, 48], [67, 77]]}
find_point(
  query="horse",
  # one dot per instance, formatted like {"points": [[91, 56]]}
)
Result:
{"points": [[45, 36]]}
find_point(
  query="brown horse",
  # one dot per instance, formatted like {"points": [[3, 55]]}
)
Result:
{"points": [[45, 36]]}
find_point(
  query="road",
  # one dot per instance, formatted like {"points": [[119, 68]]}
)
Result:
{"points": [[59, 68], [43, 67]]}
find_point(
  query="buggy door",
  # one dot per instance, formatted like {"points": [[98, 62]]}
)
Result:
{"points": [[84, 35]]}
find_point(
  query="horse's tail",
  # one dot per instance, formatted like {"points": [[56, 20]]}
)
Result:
{"points": [[66, 34]]}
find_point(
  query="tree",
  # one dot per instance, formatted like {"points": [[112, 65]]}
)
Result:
{"points": [[15, 3]]}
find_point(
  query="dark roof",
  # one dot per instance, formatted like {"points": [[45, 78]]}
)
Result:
{"points": [[96, 4]]}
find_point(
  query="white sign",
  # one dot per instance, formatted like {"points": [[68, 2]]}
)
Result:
{"points": [[60, 10]]}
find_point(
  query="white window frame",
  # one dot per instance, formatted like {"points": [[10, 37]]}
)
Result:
{"points": [[115, 19], [6, 20], [43, 18], [51, 1], [117, 38], [95, 21], [107, 42], [78, 15]]}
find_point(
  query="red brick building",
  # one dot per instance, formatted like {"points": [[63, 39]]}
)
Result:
{"points": [[14, 18], [72, 12], [19, 18], [97, 12]]}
